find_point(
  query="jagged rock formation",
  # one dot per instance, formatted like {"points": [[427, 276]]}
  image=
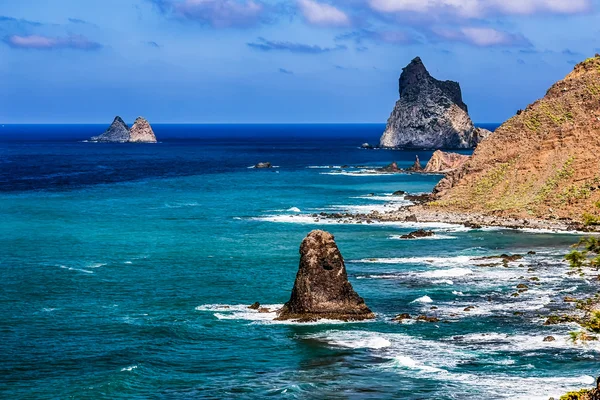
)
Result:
{"points": [[430, 114], [543, 162], [416, 167], [141, 132], [393, 168], [441, 162], [118, 132], [322, 289]]}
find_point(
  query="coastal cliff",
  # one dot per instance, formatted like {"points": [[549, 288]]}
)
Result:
{"points": [[442, 162], [119, 132], [429, 114], [544, 162]]}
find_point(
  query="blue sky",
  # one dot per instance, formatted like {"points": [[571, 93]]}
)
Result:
{"points": [[73, 61]]}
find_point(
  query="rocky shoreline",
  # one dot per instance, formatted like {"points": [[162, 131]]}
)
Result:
{"points": [[425, 214]]}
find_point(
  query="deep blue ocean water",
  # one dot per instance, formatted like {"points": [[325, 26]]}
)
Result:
{"points": [[126, 271]]}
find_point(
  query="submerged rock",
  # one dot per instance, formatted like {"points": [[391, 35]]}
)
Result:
{"points": [[118, 132], [141, 132], [429, 114], [322, 289]]}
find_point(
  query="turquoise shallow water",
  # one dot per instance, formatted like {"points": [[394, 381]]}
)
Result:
{"points": [[125, 272]]}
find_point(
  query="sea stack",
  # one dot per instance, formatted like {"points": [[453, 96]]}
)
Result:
{"points": [[430, 114], [141, 132], [322, 289], [118, 132]]}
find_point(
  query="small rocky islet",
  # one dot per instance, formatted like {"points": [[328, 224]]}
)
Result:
{"points": [[119, 132]]}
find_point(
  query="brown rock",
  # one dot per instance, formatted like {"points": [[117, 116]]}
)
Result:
{"points": [[442, 162], [526, 166], [421, 233], [402, 317], [255, 306], [549, 339], [141, 132], [322, 289], [416, 167]]}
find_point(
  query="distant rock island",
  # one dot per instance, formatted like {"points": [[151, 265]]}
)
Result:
{"points": [[322, 289], [119, 132], [544, 162], [430, 114]]}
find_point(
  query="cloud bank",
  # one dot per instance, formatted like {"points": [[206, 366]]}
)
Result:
{"points": [[39, 42]]}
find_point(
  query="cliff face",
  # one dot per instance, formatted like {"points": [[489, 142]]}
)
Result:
{"points": [[118, 132], [141, 132], [543, 162], [442, 162], [430, 114]]}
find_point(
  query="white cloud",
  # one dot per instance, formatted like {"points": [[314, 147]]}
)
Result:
{"points": [[483, 37], [217, 13], [322, 14], [39, 42], [481, 8]]}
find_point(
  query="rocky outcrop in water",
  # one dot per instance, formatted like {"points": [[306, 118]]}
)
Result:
{"points": [[141, 132], [322, 289], [544, 162], [430, 114], [416, 167], [263, 165], [442, 162], [119, 132]]}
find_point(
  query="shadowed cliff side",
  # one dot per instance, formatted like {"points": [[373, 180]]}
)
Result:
{"points": [[429, 114], [544, 162]]}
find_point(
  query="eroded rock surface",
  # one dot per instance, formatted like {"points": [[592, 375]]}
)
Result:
{"points": [[430, 114], [141, 132], [118, 132], [442, 162], [322, 289]]}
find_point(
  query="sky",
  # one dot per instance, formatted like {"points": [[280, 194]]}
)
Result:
{"points": [[278, 61]]}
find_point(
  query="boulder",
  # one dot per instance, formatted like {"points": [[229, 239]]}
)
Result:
{"points": [[322, 289], [421, 233]]}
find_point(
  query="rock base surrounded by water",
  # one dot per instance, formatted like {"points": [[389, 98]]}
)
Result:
{"points": [[322, 289]]}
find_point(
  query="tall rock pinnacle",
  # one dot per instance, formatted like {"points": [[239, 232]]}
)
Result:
{"points": [[429, 114], [322, 289]]}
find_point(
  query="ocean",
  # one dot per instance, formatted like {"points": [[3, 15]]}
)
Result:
{"points": [[126, 271]]}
